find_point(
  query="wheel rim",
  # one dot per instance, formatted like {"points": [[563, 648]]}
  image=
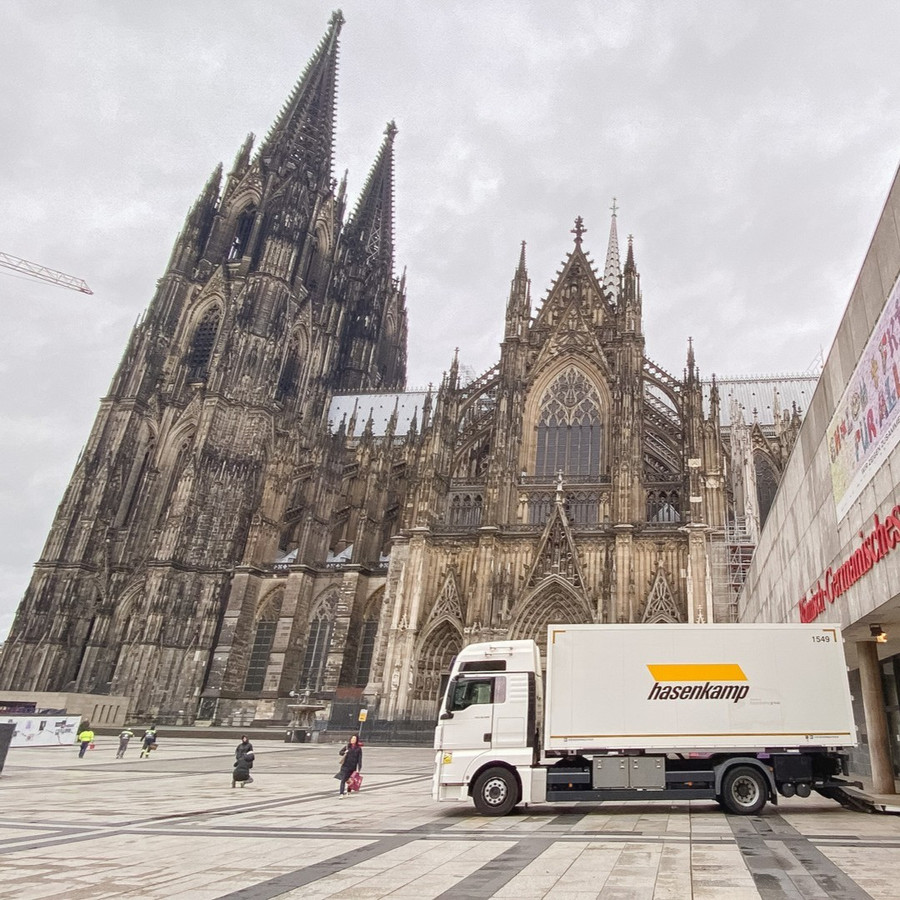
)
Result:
{"points": [[494, 791], [745, 791]]}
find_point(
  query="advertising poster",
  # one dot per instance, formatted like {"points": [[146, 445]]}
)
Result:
{"points": [[43, 731], [865, 427]]}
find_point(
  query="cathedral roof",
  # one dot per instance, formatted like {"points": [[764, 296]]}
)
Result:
{"points": [[380, 406], [758, 392]]}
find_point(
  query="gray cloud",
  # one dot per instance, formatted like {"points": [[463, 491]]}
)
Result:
{"points": [[750, 147]]}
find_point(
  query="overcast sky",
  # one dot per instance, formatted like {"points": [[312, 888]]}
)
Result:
{"points": [[750, 146]]}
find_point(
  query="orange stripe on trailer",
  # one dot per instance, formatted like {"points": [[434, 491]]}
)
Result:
{"points": [[698, 672]]}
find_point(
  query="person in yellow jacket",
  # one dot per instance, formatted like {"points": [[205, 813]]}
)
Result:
{"points": [[85, 736]]}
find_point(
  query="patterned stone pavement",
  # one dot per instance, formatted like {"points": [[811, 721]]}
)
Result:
{"points": [[173, 827]]}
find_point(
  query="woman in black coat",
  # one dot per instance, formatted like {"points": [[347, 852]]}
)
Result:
{"points": [[243, 748], [242, 767], [351, 761]]}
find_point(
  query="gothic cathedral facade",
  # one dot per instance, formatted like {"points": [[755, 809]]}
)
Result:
{"points": [[262, 508]]}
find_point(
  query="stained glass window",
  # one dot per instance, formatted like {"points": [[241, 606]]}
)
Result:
{"points": [[570, 431], [366, 651], [766, 485], [259, 656], [313, 673]]}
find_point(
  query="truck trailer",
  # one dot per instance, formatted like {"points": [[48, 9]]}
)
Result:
{"points": [[739, 714]]}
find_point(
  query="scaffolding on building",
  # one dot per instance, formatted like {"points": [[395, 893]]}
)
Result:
{"points": [[740, 548]]}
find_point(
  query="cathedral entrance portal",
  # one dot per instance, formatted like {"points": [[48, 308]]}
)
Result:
{"points": [[554, 601]]}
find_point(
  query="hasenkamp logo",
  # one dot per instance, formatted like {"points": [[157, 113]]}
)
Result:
{"points": [[718, 681]]}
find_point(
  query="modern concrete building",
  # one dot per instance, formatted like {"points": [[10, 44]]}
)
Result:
{"points": [[829, 550]]}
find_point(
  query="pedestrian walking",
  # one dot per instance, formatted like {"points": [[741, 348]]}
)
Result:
{"points": [[124, 737], [351, 761], [240, 774], [85, 738], [148, 742], [243, 748]]}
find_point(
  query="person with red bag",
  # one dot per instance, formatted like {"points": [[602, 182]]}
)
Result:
{"points": [[351, 766]]}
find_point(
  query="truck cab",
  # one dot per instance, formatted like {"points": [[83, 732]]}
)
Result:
{"points": [[490, 712]]}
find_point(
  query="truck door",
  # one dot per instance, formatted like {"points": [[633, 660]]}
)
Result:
{"points": [[469, 717], [511, 712]]}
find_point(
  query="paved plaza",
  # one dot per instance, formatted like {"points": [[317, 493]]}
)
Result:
{"points": [[172, 826]]}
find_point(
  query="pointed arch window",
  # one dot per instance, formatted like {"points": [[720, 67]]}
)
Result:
{"points": [[287, 380], [312, 675], [172, 475], [582, 507], [240, 244], [663, 507], [264, 636], [131, 493], [540, 506], [570, 428], [367, 636], [202, 344], [466, 509], [766, 485]]}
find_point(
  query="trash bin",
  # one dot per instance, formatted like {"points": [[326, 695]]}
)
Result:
{"points": [[301, 735], [288, 736]]}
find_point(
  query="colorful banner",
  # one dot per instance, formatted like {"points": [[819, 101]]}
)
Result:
{"points": [[43, 731], [865, 427]]}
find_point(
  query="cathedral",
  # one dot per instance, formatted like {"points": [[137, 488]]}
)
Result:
{"points": [[262, 510]]}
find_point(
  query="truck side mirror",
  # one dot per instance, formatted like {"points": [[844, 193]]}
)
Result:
{"points": [[447, 715]]}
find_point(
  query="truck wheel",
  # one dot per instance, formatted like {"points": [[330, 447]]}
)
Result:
{"points": [[744, 791], [495, 792]]}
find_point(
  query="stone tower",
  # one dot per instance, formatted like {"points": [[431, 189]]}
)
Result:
{"points": [[268, 302]]}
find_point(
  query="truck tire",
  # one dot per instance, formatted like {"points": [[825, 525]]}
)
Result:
{"points": [[496, 792], [744, 791]]}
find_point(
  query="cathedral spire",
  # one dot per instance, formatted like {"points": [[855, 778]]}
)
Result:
{"points": [[210, 193], [612, 272], [453, 378], [518, 307], [714, 402], [305, 126], [630, 267], [371, 227], [197, 225], [242, 158]]}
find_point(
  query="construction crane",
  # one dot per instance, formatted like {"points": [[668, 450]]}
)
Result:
{"points": [[42, 273]]}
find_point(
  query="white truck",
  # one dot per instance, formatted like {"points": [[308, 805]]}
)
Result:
{"points": [[733, 713]]}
